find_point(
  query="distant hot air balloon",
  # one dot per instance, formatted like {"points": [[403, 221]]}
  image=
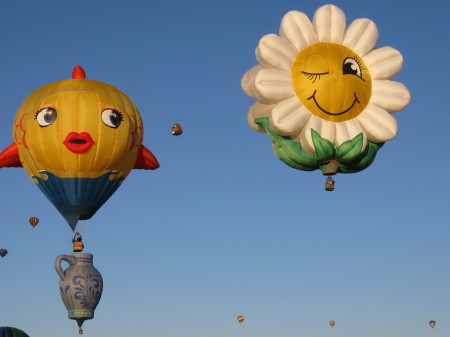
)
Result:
{"points": [[3, 252], [6, 331], [78, 139], [34, 221], [240, 319], [323, 92], [332, 323], [432, 324], [176, 129]]}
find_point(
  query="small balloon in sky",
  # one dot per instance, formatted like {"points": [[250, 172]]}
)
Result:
{"points": [[3, 252], [176, 129], [332, 323], [240, 319], [33, 221], [432, 324]]}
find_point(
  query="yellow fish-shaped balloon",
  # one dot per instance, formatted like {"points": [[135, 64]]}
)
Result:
{"points": [[78, 139]]}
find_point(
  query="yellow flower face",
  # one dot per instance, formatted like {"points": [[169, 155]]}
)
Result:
{"points": [[331, 81]]}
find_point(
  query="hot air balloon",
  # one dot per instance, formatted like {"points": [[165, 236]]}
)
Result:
{"points": [[240, 319], [78, 139], [176, 129], [80, 285], [332, 323], [34, 221], [324, 94], [432, 324], [3, 252], [6, 331]]}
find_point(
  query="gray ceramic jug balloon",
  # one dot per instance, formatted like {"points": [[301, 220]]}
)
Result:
{"points": [[80, 286]]}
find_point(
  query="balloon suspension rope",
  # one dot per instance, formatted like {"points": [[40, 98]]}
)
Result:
{"points": [[82, 227], [77, 236]]}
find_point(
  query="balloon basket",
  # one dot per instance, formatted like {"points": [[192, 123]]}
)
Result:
{"points": [[77, 241], [329, 168], [329, 184], [78, 246]]}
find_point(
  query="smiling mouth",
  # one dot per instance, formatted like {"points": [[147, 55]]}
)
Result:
{"points": [[313, 96], [78, 142]]}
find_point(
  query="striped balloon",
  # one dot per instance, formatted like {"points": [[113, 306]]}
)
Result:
{"points": [[240, 319], [34, 221], [6, 331]]}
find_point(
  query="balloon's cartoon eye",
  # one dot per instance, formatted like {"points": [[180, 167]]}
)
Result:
{"points": [[313, 76], [46, 116], [112, 118], [351, 66]]}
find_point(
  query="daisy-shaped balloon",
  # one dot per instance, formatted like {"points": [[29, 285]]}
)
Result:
{"points": [[324, 93]]}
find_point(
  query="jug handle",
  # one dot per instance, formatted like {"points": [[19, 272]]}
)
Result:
{"points": [[69, 259]]}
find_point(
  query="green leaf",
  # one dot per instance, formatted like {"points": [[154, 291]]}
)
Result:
{"points": [[349, 151], [288, 150], [324, 148], [364, 160]]}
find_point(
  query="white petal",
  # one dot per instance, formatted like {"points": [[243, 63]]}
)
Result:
{"points": [[275, 52], [298, 30], [289, 117], [248, 81], [378, 125], [324, 128], [273, 86], [328, 131], [383, 63], [349, 130], [389, 95], [258, 110], [305, 136], [361, 36], [329, 21]]}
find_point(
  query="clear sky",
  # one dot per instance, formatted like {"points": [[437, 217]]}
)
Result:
{"points": [[223, 228]]}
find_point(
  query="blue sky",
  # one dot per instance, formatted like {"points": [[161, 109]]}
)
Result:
{"points": [[223, 228]]}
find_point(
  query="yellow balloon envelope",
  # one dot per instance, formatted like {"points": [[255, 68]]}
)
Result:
{"points": [[78, 139]]}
